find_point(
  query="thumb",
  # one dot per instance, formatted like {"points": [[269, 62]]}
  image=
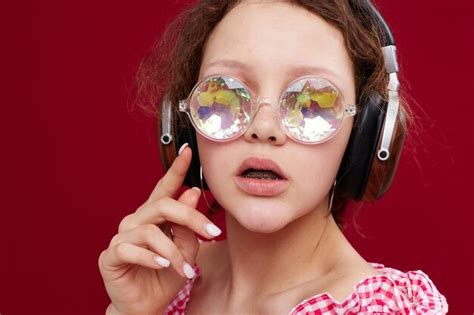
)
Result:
{"points": [[184, 238]]}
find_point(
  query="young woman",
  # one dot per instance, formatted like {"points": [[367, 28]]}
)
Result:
{"points": [[272, 89]]}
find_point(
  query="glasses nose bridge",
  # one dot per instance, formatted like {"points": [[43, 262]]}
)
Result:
{"points": [[266, 101]]}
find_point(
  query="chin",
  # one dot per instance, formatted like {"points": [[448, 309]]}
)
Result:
{"points": [[262, 217]]}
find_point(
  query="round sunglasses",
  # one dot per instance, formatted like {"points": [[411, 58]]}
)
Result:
{"points": [[311, 109]]}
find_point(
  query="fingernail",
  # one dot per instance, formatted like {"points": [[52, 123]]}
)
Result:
{"points": [[212, 230], [188, 270], [197, 189], [162, 261], [182, 148]]}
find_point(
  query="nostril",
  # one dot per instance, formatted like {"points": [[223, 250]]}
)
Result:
{"points": [[272, 139]]}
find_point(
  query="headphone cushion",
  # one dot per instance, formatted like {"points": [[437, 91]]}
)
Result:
{"points": [[186, 134], [356, 163]]}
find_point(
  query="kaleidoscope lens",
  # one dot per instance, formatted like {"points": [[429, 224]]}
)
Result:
{"points": [[220, 107], [312, 109]]}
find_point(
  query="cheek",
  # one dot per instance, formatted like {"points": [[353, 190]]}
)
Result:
{"points": [[316, 166], [213, 158], [314, 174]]}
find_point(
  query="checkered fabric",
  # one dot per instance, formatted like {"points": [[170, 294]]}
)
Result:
{"points": [[391, 292]]}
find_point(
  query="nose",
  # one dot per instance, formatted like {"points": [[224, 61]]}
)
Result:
{"points": [[265, 126]]}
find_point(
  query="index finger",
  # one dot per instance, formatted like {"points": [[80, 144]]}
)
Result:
{"points": [[170, 183]]}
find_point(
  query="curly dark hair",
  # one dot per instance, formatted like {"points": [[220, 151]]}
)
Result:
{"points": [[172, 66]]}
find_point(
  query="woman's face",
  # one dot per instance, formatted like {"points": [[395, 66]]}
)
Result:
{"points": [[267, 45]]}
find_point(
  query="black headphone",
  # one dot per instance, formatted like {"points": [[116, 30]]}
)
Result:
{"points": [[372, 154]]}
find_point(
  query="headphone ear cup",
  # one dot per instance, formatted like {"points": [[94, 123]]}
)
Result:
{"points": [[362, 176], [182, 132], [361, 149], [186, 134], [382, 172], [166, 142]]}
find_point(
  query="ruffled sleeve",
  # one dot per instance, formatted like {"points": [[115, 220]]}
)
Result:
{"points": [[391, 292]]}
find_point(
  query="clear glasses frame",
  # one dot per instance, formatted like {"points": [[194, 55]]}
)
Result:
{"points": [[348, 109]]}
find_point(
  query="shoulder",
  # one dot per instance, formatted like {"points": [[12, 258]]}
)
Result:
{"points": [[343, 280], [389, 290]]}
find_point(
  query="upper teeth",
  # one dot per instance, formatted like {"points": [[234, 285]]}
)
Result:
{"points": [[264, 174]]}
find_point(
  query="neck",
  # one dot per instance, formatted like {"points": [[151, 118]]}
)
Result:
{"points": [[261, 264]]}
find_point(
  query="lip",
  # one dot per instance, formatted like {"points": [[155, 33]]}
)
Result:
{"points": [[261, 187], [261, 164]]}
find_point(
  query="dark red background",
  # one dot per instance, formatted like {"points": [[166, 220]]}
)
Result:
{"points": [[75, 158]]}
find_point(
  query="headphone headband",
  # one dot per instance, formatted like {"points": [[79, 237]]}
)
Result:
{"points": [[386, 33]]}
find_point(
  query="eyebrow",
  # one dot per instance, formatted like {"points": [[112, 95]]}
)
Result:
{"points": [[229, 64], [294, 72]]}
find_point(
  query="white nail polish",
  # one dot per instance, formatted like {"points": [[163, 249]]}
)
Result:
{"points": [[182, 148], [212, 229], [188, 270], [162, 261]]}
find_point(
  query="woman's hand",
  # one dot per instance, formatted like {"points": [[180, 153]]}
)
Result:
{"points": [[143, 269]]}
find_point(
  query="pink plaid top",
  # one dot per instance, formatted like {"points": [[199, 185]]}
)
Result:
{"points": [[391, 292]]}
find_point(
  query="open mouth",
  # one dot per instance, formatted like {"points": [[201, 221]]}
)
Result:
{"points": [[260, 168], [261, 178], [260, 174]]}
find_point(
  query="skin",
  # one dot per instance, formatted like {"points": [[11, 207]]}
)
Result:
{"points": [[279, 250], [271, 54], [271, 244]]}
